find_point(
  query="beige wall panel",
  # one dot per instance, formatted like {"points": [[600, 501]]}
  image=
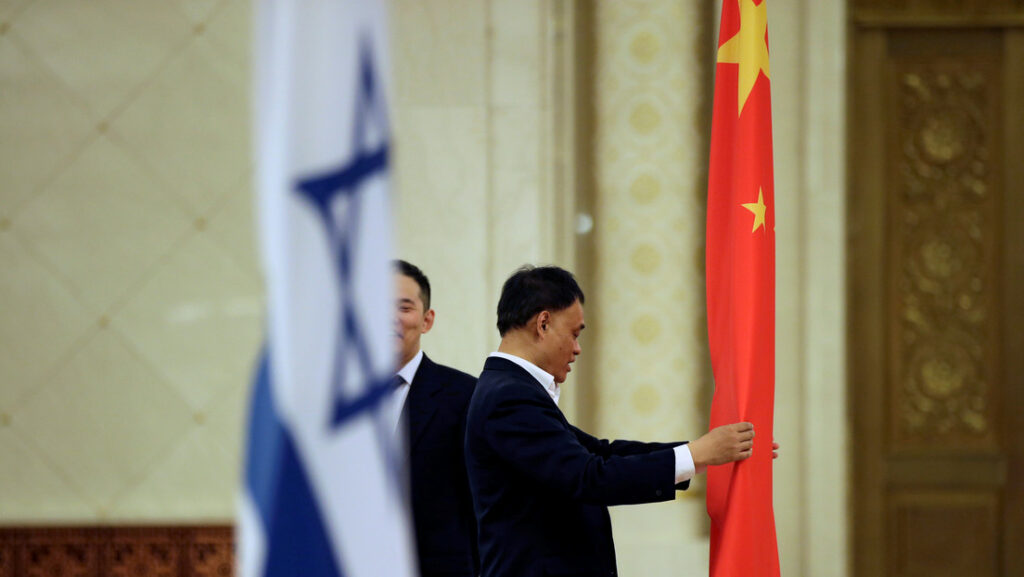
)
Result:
{"points": [[439, 55], [517, 75], [472, 126], [34, 489], [517, 206], [103, 420], [190, 124], [808, 102], [42, 322], [102, 244], [786, 21], [42, 124], [135, 304], [442, 224], [103, 51]]}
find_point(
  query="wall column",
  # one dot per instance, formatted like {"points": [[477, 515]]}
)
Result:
{"points": [[649, 347]]}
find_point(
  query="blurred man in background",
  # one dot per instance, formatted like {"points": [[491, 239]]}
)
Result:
{"points": [[430, 404]]}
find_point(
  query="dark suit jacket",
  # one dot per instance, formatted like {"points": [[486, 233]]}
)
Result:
{"points": [[541, 487], [441, 504]]}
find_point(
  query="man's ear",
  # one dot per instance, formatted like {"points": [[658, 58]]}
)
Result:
{"points": [[428, 321], [543, 323]]}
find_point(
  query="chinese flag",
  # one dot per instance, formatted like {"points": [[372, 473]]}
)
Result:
{"points": [[741, 291]]}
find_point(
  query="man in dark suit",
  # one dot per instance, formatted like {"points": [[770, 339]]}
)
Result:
{"points": [[430, 404], [541, 487]]}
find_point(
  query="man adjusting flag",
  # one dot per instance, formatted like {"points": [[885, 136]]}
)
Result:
{"points": [[741, 291], [323, 488]]}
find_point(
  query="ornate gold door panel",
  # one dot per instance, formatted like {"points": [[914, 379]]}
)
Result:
{"points": [[937, 287]]}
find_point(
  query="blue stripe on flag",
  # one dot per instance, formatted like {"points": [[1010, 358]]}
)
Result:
{"points": [[281, 491]]}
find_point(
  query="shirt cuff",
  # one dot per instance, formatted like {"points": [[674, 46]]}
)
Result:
{"points": [[684, 463]]}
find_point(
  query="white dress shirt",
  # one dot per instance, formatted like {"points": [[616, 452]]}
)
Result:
{"points": [[685, 469], [546, 379]]}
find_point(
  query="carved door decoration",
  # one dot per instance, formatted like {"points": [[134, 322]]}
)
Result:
{"points": [[937, 287], [150, 551]]}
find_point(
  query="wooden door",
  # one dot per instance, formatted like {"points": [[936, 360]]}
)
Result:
{"points": [[936, 269]]}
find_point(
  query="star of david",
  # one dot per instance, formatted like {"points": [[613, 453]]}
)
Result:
{"points": [[325, 191]]}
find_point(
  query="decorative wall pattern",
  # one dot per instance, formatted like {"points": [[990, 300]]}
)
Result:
{"points": [[647, 346], [131, 290], [946, 229], [648, 298], [117, 552]]}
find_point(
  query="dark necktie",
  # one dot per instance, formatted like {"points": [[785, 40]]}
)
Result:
{"points": [[403, 418]]}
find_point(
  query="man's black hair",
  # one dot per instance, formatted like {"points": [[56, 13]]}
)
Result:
{"points": [[531, 290], [412, 271]]}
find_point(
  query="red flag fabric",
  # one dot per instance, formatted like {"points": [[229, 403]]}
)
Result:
{"points": [[741, 292]]}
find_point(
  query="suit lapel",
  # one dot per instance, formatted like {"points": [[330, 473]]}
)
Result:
{"points": [[422, 403]]}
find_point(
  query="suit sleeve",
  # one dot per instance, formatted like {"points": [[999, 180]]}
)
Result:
{"points": [[529, 433], [606, 448], [623, 448]]}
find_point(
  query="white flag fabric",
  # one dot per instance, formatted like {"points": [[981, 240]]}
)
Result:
{"points": [[323, 490]]}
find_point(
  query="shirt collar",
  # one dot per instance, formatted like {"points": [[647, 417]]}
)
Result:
{"points": [[408, 372], [543, 377]]}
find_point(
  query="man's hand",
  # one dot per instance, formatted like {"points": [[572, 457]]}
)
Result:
{"points": [[723, 445]]}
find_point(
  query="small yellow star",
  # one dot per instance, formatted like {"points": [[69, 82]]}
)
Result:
{"points": [[758, 208], [749, 47]]}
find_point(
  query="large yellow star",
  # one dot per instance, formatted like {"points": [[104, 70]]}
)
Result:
{"points": [[749, 47], [758, 208]]}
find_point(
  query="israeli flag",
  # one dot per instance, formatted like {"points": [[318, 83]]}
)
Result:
{"points": [[323, 487]]}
